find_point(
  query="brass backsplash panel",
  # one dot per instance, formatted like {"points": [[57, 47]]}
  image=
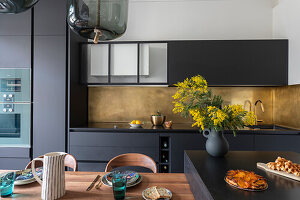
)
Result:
{"points": [[287, 106], [123, 104]]}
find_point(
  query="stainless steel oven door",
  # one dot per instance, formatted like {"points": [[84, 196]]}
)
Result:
{"points": [[15, 85], [15, 124]]}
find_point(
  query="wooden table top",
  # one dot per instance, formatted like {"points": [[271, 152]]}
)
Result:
{"points": [[77, 182]]}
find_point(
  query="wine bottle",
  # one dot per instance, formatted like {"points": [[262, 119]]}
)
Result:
{"points": [[165, 144]]}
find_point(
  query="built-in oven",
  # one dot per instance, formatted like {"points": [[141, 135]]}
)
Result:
{"points": [[15, 107]]}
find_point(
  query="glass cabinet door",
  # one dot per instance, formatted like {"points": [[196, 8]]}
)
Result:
{"points": [[124, 63], [153, 63], [95, 62]]}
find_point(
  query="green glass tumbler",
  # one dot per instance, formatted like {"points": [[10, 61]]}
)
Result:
{"points": [[119, 182], [7, 181]]}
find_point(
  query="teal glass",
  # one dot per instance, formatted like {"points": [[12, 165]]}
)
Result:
{"points": [[7, 181], [107, 17], [16, 6], [119, 182]]}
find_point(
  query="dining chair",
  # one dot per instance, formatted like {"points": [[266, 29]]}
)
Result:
{"points": [[70, 161], [131, 159]]}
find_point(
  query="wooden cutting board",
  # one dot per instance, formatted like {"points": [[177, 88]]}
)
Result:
{"points": [[281, 173]]}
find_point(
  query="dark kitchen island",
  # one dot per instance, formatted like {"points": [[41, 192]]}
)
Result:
{"points": [[206, 175]]}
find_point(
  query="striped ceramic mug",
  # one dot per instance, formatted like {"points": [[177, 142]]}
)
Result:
{"points": [[53, 184]]}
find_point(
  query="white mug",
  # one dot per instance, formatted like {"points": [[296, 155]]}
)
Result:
{"points": [[53, 184]]}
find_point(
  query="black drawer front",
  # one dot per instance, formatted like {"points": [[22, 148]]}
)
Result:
{"points": [[277, 143], [91, 167], [12, 152], [240, 142], [97, 139], [13, 163], [107, 153]]}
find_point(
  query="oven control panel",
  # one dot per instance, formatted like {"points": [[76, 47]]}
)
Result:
{"points": [[8, 105], [8, 97], [8, 108]]}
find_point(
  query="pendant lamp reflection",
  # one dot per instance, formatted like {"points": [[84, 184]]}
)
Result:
{"points": [[16, 6], [98, 19]]}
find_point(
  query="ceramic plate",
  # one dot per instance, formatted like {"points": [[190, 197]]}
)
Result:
{"points": [[136, 125], [169, 192], [25, 176], [131, 176], [251, 190], [109, 184]]}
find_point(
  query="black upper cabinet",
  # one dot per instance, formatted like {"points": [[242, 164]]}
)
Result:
{"points": [[15, 51], [230, 62], [15, 40], [19, 24], [50, 17]]}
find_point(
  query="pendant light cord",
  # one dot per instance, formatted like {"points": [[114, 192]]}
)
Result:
{"points": [[96, 30], [98, 16]]}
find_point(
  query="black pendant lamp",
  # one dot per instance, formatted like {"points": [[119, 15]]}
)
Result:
{"points": [[16, 6], [98, 19]]}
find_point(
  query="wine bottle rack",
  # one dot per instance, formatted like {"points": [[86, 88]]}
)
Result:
{"points": [[164, 154]]}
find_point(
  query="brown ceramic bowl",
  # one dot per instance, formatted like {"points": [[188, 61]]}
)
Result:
{"points": [[169, 124]]}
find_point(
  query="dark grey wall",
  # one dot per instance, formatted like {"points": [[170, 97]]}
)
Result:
{"points": [[77, 91]]}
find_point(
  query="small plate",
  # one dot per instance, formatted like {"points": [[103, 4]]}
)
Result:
{"points": [[251, 190], [109, 184], [170, 193], [24, 177]]}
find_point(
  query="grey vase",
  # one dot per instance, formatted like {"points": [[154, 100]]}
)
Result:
{"points": [[216, 143]]}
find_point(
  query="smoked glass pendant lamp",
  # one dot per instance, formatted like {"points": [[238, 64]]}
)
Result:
{"points": [[16, 6], [98, 19]]}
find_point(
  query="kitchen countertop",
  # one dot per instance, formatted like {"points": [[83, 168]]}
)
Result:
{"points": [[176, 128], [206, 175]]}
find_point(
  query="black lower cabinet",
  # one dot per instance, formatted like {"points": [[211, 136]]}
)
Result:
{"points": [[14, 163], [94, 149], [180, 143], [91, 166], [241, 142], [13, 158], [277, 143]]}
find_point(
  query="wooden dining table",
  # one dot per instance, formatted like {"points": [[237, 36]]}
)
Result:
{"points": [[78, 182]]}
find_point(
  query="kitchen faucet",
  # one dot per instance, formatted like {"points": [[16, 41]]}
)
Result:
{"points": [[250, 105], [262, 109]]}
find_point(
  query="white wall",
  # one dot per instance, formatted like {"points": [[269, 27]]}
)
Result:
{"points": [[199, 19], [286, 24]]}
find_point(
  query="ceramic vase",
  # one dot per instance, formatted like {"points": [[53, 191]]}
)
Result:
{"points": [[216, 144]]}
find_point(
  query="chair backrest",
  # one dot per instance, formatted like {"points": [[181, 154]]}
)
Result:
{"points": [[131, 159], [70, 161]]}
